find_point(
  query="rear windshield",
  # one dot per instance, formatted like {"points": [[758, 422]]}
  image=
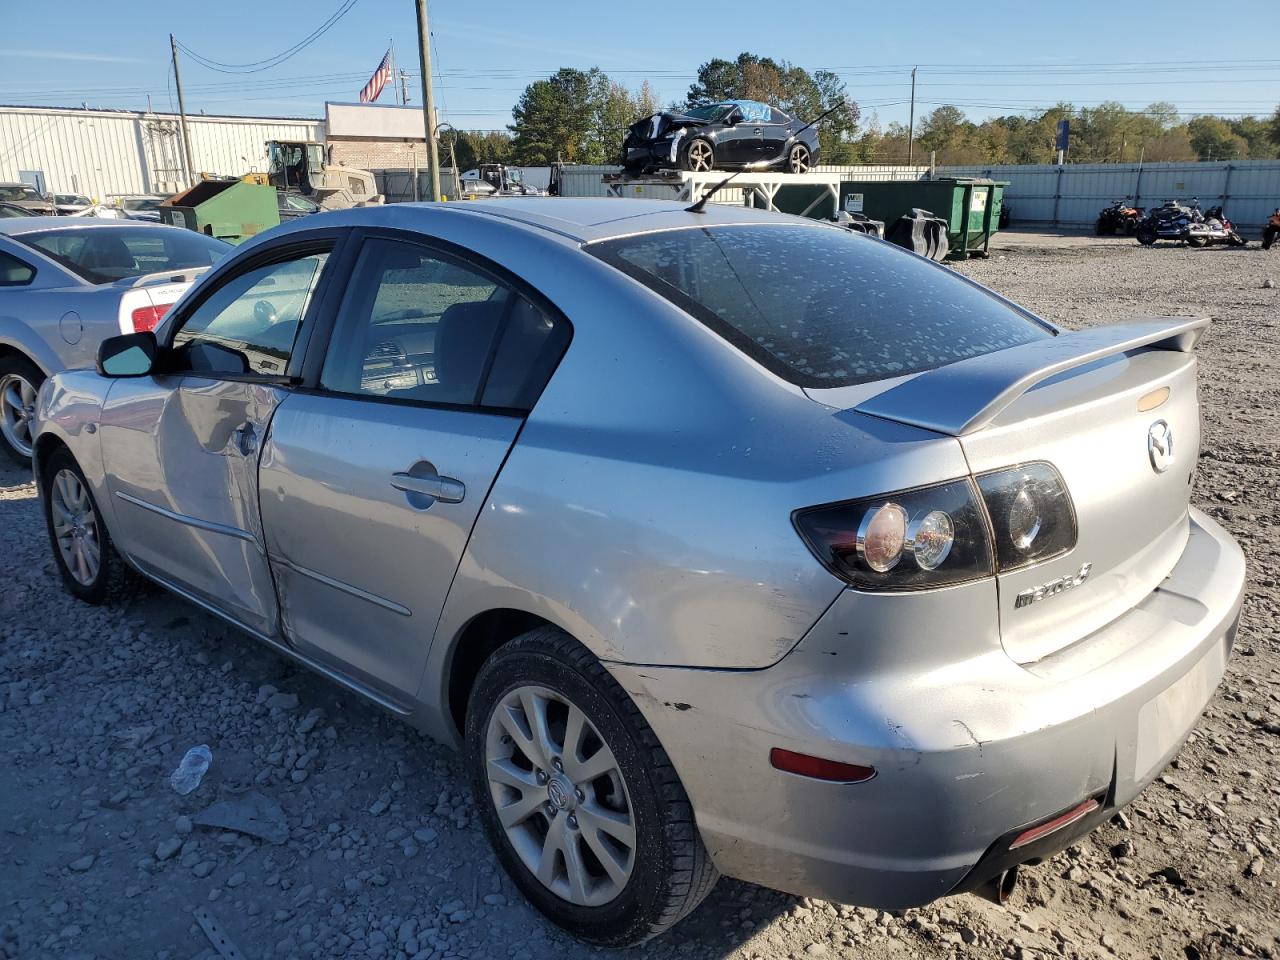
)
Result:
{"points": [[104, 254], [820, 306]]}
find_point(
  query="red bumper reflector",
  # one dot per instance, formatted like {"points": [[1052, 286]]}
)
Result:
{"points": [[819, 769], [1057, 823], [147, 318]]}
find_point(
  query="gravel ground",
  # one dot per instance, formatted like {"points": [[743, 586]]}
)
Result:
{"points": [[380, 852]]}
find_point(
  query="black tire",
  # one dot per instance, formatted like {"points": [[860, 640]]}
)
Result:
{"points": [[1104, 229], [687, 164], [1235, 240], [115, 578], [1197, 243], [1269, 237], [18, 366], [799, 156], [672, 871], [1147, 235]]}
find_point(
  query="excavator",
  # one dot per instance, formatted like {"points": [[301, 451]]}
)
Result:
{"points": [[297, 166]]}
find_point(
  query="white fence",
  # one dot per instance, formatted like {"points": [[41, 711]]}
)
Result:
{"points": [[1072, 194]]}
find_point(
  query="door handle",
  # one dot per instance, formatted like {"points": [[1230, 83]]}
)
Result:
{"points": [[246, 439], [759, 132], [445, 489]]}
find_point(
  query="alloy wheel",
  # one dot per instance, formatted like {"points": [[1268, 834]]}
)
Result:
{"points": [[799, 158], [17, 412], [75, 527], [700, 156], [559, 795]]}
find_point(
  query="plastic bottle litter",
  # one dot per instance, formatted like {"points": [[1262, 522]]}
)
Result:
{"points": [[191, 770]]}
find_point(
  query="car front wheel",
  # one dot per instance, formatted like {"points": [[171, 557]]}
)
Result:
{"points": [[578, 797], [19, 383], [91, 568], [699, 155]]}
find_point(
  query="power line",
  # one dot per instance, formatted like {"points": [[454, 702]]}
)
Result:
{"points": [[259, 65]]}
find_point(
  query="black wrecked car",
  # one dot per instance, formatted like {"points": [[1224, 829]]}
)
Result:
{"points": [[725, 135]]}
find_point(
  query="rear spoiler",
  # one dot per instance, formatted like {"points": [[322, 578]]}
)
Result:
{"points": [[967, 395], [181, 275]]}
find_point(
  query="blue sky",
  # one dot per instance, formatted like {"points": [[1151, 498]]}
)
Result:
{"points": [[997, 57]]}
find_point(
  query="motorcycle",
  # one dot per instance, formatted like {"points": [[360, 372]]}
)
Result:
{"points": [[1271, 230], [1118, 218], [1187, 224]]}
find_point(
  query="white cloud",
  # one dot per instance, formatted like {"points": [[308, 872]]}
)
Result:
{"points": [[69, 55]]}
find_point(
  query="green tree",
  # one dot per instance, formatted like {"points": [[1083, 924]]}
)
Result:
{"points": [[557, 118], [1256, 134], [1212, 139], [480, 146]]}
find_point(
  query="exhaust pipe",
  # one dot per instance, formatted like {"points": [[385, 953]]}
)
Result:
{"points": [[1000, 887]]}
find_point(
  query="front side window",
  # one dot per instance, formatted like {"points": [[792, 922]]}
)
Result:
{"points": [[421, 325], [250, 323], [107, 254], [19, 191], [820, 306]]}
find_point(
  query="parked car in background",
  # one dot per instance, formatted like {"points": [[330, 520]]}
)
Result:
{"points": [[26, 196], [727, 135], [69, 203], [13, 210], [719, 541], [294, 205], [65, 284], [137, 207]]}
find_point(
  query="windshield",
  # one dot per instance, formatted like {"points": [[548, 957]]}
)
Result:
{"points": [[18, 191], [820, 306], [104, 254], [713, 112]]}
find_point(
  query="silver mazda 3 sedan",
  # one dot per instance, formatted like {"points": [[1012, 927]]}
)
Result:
{"points": [[720, 541]]}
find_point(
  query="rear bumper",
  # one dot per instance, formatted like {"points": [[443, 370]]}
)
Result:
{"points": [[968, 753]]}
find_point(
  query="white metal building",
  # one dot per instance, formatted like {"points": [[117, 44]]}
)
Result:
{"points": [[104, 152]]}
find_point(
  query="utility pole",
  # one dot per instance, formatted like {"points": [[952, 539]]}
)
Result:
{"points": [[911, 124], [404, 87], [182, 114], [428, 99]]}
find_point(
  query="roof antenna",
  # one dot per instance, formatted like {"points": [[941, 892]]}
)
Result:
{"points": [[700, 205]]}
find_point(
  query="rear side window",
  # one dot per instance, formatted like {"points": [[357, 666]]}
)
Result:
{"points": [[419, 324], [819, 306], [106, 254], [13, 272]]}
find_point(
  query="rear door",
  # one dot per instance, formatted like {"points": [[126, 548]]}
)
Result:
{"points": [[372, 481], [774, 135]]}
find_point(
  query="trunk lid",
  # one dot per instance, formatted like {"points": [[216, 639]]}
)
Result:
{"points": [[1131, 520], [1087, 402]]}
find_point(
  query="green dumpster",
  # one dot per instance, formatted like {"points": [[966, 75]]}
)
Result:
{"points": [[231, 210], [971, 207]]}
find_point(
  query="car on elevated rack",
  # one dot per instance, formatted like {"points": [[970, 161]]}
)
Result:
{"points": [[732, 134], [66, 283], [719, 541]]}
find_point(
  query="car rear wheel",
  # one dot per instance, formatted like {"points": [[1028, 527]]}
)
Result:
{"points": [[578, 797], [799, 160], [20, 381], [91, 568], [699, 155]]}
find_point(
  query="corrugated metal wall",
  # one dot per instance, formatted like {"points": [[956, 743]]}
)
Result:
{"points": [[101, 152], [1072, 195]]}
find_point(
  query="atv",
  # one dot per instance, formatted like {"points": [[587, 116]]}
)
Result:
{"points": [[1118, 218]]}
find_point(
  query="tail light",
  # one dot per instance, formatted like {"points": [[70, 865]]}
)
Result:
{"points": [[1032, 517], [943, 534], [912, 540], [148, 317]]}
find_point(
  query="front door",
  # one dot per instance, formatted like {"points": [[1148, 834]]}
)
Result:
{"points": [[739, 143], [181, 449], [372, 481]]}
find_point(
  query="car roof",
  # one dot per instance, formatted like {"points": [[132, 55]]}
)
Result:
{"points": [[580, 219], [19, 225]]}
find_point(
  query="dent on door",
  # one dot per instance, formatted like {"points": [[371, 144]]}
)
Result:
{"points": [[182, 469]]}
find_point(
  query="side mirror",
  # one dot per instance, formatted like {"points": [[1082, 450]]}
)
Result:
{"points": [[128, 355]]}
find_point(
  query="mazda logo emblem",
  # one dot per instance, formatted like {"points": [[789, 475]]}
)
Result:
{"points": [[1160, 446]]}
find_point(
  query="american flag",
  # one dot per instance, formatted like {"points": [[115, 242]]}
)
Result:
{"points": [[381, 77]]}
